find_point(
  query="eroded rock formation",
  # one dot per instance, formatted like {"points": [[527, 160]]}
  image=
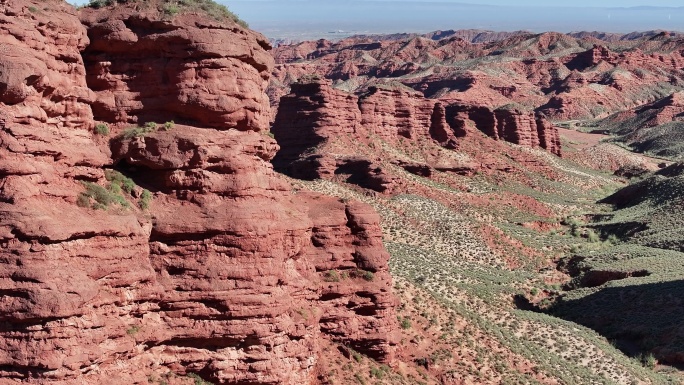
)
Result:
{"points": [[315, 112], [665, 110], [141, 76], [564, 76], [392, 112], [224, 273], [513, 125]]}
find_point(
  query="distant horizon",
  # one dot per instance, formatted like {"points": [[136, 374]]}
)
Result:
{"points": [[280, 20], [507, 3], [298, 20]]}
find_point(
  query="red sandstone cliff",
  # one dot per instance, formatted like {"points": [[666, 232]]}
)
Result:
{"points": [[524, 128], [315, 114], [224, 272], [563, 76]]}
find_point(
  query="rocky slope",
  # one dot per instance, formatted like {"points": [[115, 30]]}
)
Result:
{"points": [[172, 252], [654, 128], [442, 137], [473, 227], [624, 291], [137, 250], [575, 76]]}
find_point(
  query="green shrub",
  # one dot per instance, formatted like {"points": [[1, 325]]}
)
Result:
{"points": [[592, 236], [648, 360], [613, 239], [116, 178], [355, 355], [128, 185], [171, 9], [115, 189], [102, 129], [198, 380], [368, 275], [377, 373], [331, 276], [100, 198], [98, 193], [33, 9], [575, 231], [145, 199], [83, 200], [405, 323], [359, 273], [149, 127], [134, 132]]}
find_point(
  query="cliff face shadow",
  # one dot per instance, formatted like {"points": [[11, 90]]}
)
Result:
{"points": [[639, 318]]}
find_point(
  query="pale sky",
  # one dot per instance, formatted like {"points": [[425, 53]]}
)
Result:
{"points": [[558, 3], [546, 3], [311, 19]]}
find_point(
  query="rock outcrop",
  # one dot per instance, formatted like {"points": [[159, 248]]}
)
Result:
{"points": [[66, 271], [564, 76], [509, 124], [665, 110], [140, 76], [390, 113], [221, 272], [549, 137], [592, 57], [315, 112]]}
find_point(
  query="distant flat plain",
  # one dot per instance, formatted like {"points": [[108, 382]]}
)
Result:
{"points": [[307, 19]]}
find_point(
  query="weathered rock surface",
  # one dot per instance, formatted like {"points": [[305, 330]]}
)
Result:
{"points": [[564, 76], [228, 274], [235, 251], [524, 128], [662, 111], [315, 114], [62, 312], [140, 76], [393, 112]]}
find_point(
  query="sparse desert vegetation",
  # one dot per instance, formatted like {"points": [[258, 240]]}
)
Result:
{"points": [[173, 7], [142, 252], [459, 247]]}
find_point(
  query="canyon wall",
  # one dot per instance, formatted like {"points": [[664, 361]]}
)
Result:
{"points": [[563, 76], [512, 125], [209, 265], [314, 113]]}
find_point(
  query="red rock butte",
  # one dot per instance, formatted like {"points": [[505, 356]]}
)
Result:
{"points": [[315, 112]]}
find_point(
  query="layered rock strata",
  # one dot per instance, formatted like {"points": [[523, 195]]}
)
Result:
{"points": [[566, 77], [175, 72], [223, 272], [315, 113], [513, 125]]}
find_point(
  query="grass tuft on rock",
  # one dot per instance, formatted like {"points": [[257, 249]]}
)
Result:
{"points": [[172, 8]]}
